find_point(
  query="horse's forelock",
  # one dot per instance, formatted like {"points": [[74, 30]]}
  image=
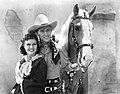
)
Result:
{"points": [[81, 13]]}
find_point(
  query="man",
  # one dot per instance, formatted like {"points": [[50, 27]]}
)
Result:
{"points": [[54, 55]]}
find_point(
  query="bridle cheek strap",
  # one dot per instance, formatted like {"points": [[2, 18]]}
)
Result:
{"points": [[79, 47]]}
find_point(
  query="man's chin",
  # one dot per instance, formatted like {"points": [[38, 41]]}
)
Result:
{"points": [[46, 40]]}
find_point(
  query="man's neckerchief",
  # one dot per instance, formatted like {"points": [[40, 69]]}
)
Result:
{"points": [[55, 51]]}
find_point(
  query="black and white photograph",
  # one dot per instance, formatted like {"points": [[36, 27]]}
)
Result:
{"points": [[59, 47]]}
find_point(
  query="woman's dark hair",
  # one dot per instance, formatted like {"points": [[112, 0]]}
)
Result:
{"points": [[27, 37]]}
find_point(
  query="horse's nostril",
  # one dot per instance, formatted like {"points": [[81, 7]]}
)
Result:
{"points": [[84, 58], [87, 58]]}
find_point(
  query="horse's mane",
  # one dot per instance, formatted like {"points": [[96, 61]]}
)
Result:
{"points": [[63, 36]]}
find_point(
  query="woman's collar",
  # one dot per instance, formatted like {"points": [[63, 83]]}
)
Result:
{"points": [[32, 58]]}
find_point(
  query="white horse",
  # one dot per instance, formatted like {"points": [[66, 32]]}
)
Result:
{"points": [[75, 37]]}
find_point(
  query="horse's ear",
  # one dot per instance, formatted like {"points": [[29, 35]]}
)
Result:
{"points": [[76, 9], [91, 12]]}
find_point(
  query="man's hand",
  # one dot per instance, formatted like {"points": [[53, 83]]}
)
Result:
{"points": [[75, 66]]}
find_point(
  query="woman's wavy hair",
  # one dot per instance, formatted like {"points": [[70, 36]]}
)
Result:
{"points": [[27, 37]]}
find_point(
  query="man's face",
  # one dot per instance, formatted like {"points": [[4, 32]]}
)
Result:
{"points": [[45, 33]]}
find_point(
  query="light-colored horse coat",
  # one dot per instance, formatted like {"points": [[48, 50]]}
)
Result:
{"points": [[65, 40]]}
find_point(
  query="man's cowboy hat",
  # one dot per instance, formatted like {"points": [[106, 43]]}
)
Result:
{"points": [[40, 22]]}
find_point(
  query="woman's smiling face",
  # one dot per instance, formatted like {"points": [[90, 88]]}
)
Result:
{"points": [[30, 46]]}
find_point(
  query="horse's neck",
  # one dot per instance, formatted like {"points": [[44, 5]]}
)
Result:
{"points": [[72, 53]]}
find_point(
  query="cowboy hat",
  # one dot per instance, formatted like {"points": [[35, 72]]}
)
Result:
{"points": [[40, 22]]}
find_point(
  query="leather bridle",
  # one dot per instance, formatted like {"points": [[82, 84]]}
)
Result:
{"points": [[79, 47], [78, 51]]}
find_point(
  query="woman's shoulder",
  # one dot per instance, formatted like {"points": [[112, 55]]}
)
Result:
{"points": [[38, 60], [21, 61], [40, 57]]}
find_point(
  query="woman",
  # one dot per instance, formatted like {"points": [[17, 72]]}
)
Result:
{"points": [[55, 57], [31, 70]]}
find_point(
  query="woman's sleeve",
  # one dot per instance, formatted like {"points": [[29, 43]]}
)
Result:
{"points": [[17, 76]]}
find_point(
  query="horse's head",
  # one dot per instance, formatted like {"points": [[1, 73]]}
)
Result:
{"points": [[80, 32], [76, 34]]}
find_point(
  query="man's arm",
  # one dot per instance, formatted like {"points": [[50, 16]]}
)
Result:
{"points": [[65, 61]]}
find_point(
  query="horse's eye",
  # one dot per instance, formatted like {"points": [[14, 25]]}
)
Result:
{"points": [[77, 28]]}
